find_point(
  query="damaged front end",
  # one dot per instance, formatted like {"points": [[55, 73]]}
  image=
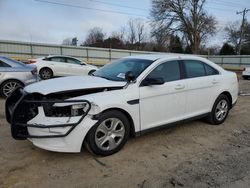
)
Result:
{"points": [[56, 114]]}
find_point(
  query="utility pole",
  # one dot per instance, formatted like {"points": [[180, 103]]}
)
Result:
{"points": [[242, 26]]}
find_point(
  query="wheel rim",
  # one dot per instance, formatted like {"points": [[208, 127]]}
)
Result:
{"points": [[46, 74], [221, 110], [109, 134], [9, 87]]}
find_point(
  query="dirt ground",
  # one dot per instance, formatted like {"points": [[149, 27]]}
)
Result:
{"points": [[194, 154]]}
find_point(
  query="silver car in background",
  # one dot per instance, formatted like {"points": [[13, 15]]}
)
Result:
{"points": [[14, 74]]}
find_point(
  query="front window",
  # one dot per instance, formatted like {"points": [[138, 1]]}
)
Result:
{"points": [[73, 61], [168, 71], [116, 71]]}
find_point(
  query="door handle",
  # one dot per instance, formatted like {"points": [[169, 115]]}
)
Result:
{"points": [[179, 87]]}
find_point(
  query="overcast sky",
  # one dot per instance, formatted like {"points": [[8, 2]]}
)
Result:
{"points": [[31, 20]]}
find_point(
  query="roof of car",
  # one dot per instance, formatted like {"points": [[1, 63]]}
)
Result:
{"points": [[155, 57]]}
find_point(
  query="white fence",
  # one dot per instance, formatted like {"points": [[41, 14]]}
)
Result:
{"points": [[26, 50]]}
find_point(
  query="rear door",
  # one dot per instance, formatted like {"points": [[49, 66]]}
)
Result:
{"points": [[162, 104], [202, 82], [57, 64]]}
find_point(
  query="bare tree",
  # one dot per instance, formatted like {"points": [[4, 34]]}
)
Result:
{"points": [[233, 34], [161, 38], [95, 37], [120, 34], [131, 31], [186, 17], [136, 32]]}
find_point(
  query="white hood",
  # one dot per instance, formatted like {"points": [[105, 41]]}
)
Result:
{"points": [[70, 83]]}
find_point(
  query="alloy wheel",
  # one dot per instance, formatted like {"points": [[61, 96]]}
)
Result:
{"points": [[221, 110], [109, 134], [46, 74], [9, 87]]}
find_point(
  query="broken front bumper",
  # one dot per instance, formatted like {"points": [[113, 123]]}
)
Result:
{"points": [[22, 109]]}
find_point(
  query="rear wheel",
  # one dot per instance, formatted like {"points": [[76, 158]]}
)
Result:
{"points": [[46, 73], [9, 86], [109, 134], [220, 110]]}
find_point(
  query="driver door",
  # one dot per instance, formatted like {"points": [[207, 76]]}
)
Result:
{"points": [[166, 103], [75, 67]]}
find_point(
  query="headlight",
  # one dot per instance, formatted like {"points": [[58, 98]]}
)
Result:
{"points": [[79, 109], [68, 110]]}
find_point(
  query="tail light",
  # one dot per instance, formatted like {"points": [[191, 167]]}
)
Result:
{"points": [[34, 71], [31, 61]]}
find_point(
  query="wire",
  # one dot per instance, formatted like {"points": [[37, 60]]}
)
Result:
{"points": [[118, 5], [230, 2], [88, 8], [221, 9]]}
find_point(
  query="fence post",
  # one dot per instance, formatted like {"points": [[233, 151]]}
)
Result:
{"points": [[61, 50], [222, 60], [31, 50], [240, 61], [110, 54], [87, 53]]}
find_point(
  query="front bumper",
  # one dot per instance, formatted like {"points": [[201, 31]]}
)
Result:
{"points": [[21, 109]]}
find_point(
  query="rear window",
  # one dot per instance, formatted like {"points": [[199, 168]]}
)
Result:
{"points": [[210, 70], [2, 64], [11, 62], [194, 68]]}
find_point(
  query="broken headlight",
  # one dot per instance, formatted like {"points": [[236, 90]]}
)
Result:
{"points": [[62, 110]]}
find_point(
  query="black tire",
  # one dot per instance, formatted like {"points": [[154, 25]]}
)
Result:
{"points": [[246, 77], [8, 84], [46, 73], [91, 72], [212, 118], [94, 134]]}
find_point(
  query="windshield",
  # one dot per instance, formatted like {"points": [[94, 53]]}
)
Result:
{"points": [[116, 71]]}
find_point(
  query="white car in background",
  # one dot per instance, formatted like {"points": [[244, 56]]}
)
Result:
{"points": [[246, 73], [128, 97], [53, 66]]}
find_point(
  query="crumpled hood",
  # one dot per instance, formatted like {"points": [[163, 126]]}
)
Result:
{"points": [[70, 83]]}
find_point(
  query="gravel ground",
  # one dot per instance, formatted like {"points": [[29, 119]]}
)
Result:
{"points": [[194, 154]]}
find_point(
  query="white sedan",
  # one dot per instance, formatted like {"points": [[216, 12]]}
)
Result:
{"points": [[246, 73], [53, 66], [128, 97]]}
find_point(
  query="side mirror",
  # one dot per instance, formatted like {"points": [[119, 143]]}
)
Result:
{"points": [[152, 81], [82, 63], [129, 76]]}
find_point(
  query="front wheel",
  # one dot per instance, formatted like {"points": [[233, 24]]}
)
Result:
{"points": [[109, 134], [220, 110], [9, 86]]}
